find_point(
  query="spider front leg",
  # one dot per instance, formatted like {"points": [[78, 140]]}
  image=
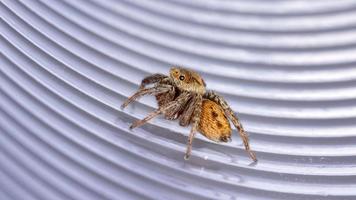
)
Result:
{"points": [[145, 91], [231, 115], [154, 78], [181, 99], [195, 120]]}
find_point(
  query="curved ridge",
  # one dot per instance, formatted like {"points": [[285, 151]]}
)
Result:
{"points": [[287, 68]]}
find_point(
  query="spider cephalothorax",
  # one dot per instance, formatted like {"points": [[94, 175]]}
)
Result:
{"points": [[182, 95], [187, 80]]}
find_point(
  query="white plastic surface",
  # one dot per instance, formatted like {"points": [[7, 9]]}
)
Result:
{"points": [[288, 68]]}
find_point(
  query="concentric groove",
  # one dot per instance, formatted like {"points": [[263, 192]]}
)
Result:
{"points": [[326, 94], [252, 23], [266, 8], [87, 130], [107, 20], [234, 57], [91, 31], [286, 67], [319, 115], [57, 71]]}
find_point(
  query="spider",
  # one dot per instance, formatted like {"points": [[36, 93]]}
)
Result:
{"points": [[182, 95]]}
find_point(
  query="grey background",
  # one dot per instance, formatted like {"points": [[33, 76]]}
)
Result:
{"points": [[287, 67]]}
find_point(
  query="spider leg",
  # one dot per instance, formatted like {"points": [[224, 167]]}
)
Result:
{"points": [[154, 78], [166, 97], [195, 119], [145, 91], [171, 105], [186, 116], [211, 95]]}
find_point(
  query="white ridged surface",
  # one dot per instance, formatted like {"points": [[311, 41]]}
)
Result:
{"points": [[287, 67]]}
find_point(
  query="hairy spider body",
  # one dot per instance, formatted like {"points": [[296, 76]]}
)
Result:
{"points": [[182, 95]]}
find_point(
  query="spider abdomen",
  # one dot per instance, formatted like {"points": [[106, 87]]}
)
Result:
{"points": [[213, 122]]}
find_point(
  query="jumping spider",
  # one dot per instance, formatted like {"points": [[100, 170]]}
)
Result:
{"points": [[182, 95]]}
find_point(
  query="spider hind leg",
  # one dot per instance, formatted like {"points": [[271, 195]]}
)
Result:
{"points": [[231, 115]]}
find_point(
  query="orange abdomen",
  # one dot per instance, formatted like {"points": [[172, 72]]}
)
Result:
{"points": [[213, 122]]}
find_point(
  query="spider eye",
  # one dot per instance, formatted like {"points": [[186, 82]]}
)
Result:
{"points": [[181, 78]]}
